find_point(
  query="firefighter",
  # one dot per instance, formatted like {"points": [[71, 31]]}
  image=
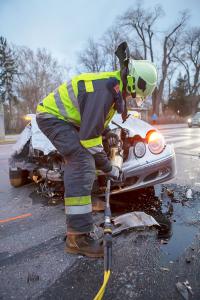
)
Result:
{"points": [[73, 117]]}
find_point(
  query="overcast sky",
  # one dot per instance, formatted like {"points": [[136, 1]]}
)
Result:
{"points": [[64, 26]]}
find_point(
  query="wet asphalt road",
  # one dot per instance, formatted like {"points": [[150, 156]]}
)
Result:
{"points": [[146, 264]]}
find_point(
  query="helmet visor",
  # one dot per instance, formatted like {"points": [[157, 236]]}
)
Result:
{"points": [[142, 84], [144, 89]]}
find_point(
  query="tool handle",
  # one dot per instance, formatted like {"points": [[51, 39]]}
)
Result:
{"points": [[107, 251]]}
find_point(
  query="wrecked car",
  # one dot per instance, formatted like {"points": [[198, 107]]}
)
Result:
{"points": [[147, 159]]}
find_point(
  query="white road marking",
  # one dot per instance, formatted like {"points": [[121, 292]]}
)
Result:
{"points": [[183, 138]]}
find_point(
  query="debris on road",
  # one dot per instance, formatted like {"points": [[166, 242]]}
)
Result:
{"points": [[170, 193], [135, 219], [32, 277], [189, 194], [188, 260], [187, 285], [164, 269], [164, 242], [182, 290]]}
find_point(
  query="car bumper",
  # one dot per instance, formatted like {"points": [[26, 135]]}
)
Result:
{"points": [[194, 123], [148, 173]]}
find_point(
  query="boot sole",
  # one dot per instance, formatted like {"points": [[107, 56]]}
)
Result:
{"points": [[85, 253]]}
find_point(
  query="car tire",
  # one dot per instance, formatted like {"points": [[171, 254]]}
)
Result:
{"points": [[189, 126], [18, 177]]}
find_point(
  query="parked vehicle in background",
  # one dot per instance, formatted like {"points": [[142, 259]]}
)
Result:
{"points": [[194, 120]]}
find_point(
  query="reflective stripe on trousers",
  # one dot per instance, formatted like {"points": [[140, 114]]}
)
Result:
{"points": [[79, 175], [78, 209]]}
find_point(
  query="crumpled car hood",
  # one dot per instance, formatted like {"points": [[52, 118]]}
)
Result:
{"points": [[135, 126], [38, 139], [41, 142]]}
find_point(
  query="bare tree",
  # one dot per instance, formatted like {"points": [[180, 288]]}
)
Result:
{"points": [[110, 41], [8, 69], [39, 74], [92, 59], [189, 58], [141, 23], [170, 42], [170, 76]]}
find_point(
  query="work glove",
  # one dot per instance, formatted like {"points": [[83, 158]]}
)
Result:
{"points": [[112, 139], [115, 173]]}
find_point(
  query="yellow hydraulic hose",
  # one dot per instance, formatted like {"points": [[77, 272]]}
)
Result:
{"points": [[100, 294], [107, 245]]}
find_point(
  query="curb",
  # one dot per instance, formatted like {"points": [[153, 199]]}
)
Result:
{"points": [[7, 142]]}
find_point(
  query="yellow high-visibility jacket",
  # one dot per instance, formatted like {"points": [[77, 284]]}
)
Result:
{"points": [[89, 102]]}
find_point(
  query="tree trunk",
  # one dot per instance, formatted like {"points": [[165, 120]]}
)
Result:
{"points": [[2, 127], [158, 97], [10, 115]]}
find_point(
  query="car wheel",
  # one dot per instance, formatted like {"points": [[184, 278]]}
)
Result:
{"points": [[18, 177], [189, 126]]}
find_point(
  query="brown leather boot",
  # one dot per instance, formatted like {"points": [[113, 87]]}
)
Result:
{"points": [[84, 244], [98, 205]]}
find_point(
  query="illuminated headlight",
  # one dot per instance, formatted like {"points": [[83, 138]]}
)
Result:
{"points": [[140, 149], [189, 120], [156, 142]]}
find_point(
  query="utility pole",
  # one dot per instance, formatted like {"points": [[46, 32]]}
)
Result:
{"points": [[2, 126]]}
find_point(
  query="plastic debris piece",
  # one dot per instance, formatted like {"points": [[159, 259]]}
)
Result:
{"points": [[182, 290], [134, 219], [189, 194], [184, 203], [164, 269], [170, 193], [187, 285], [32, 277], [164, 242], [188, 260]]}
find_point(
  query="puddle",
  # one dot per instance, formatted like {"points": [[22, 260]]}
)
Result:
{"points": [[178, 216]]}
